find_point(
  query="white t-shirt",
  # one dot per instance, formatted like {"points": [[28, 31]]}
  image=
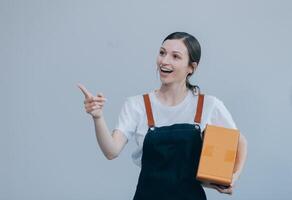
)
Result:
{"points": [[132, 121]]}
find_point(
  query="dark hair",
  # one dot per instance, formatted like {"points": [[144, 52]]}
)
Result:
{"points": [[194, 51]]}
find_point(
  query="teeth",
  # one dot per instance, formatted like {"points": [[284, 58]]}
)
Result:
{"points": [[165, 69]]}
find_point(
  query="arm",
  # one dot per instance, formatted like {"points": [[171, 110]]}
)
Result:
{"points": [[222, 117], [239, 164], [111, 145], [240, 157]]}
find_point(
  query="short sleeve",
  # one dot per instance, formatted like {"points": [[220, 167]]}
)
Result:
{"points": [[220, 116], [128, 118]]}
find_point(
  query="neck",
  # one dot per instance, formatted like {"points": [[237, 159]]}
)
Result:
{"points": [[172, 94]]}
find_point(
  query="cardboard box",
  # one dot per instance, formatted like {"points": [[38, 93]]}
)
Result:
{"points": [[218, 155]]}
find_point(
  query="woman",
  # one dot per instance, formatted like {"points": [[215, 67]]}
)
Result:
{"points": [[167, 124]]}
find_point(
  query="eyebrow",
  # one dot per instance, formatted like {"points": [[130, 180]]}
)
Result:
{"points": [[172, 51]]}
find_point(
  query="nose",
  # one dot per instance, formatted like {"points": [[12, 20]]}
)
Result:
{"points": [[164, 60]]}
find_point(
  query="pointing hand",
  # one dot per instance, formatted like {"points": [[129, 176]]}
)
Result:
{"points": [[93, 104]]}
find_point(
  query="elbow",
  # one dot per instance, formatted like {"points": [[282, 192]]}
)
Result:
{"points": [[111, 156]]}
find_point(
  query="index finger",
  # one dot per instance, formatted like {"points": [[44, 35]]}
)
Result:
{"points": [[86, 93]]}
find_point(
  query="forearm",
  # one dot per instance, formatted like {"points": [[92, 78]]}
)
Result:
{"points": [[104, 138], [241, 154]]}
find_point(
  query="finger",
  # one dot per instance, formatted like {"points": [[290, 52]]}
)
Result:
{"points": [[221, 189], [89, 110], [93, 104], [93, 108], [89, 100], [100, 94], [99, 99], [218, 188], [227, 191], [86, 93], [99, 104], [88, 106], [96, 103]]}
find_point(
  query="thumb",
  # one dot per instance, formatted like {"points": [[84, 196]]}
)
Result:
{"points": [[100, 94]]}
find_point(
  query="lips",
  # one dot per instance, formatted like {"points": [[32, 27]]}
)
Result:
{"points": [[165, 70]]}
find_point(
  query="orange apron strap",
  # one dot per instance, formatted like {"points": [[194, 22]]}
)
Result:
{"points": [[148, 110], [199, 108]]}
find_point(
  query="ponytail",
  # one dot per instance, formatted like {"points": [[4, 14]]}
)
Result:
{"points": [[194, 88]]}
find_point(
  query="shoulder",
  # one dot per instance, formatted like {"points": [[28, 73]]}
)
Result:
{"points": [[135, 99], [135, 102], [219, 114], [212, 101], [215, 104], [138, 98]]}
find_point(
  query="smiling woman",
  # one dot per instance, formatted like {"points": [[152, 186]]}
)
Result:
{"points": [[167, 124], [188, 47]]}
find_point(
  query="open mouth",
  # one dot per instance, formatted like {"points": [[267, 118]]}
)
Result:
{"points": [[166, 70]]}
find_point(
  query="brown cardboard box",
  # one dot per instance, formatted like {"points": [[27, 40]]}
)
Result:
{"points": [[218, 155]]}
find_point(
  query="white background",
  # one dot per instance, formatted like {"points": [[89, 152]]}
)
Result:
{"points": [[48, 147]]}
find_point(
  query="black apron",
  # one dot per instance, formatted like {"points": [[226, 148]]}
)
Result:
{"points": [[170, 160]]}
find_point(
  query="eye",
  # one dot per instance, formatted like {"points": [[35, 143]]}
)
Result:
{"points": [[161, 52], [175, 56]]}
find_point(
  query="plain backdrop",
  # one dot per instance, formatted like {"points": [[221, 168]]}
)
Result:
{"points": [[48, 146]]}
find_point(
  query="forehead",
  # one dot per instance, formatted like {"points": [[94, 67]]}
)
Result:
{"points": [[175, 45]]}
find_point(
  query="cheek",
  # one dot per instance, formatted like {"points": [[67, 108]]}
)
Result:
{"points": [[157, 64], [180, 72], [158, 60]]}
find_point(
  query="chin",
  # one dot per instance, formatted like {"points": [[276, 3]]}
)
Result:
{"points": [[163, 82]]}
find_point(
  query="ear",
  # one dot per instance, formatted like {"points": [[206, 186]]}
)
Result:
{"points": [[194, 65]]}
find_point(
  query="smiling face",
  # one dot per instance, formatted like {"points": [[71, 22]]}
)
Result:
{"points": [[173, 62]]}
